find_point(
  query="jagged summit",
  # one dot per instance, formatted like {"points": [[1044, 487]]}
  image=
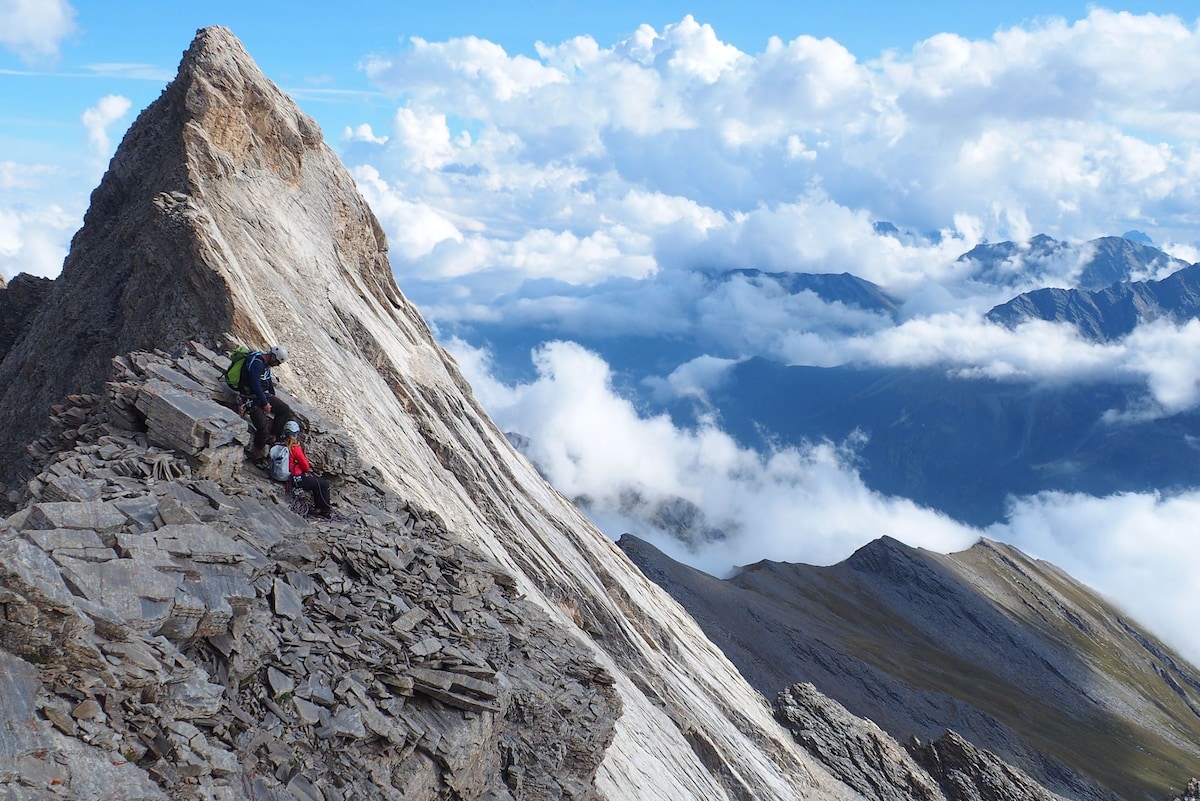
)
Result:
{"points": [[176, 243]]}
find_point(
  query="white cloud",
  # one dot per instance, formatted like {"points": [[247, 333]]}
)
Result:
{"points": [[808, 504], [34, 242], [35, 29], [592, 443], [693, 378], [416, 228], [1070, 129], [362, 133], [24, 176], [1140, 551], [98, 118]]}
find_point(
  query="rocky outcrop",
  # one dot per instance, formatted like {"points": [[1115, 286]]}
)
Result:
{"points": [[1190, 793], [967, 773], [173, 630], [855, 750], [861, 754], [224, 211]]}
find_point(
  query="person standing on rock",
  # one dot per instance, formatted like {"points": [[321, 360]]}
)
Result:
{"points": [[303, 478], [258, 389]]}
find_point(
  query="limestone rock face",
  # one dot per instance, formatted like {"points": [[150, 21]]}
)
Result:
{"points": [[223, 211]]}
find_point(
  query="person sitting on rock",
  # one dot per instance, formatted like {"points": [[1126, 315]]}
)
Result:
{"points": [[303, 478], [258, 390]]}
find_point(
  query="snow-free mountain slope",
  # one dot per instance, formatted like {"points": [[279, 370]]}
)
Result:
{"points": [[1006, 651], [223, 210]]}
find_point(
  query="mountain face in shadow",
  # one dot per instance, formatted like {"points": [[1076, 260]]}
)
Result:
{"points": [[1006, 651], [844, 288], [963, 446], [1110, 313]]}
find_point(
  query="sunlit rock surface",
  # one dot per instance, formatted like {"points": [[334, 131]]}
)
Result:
{"points": [[223, 211]]}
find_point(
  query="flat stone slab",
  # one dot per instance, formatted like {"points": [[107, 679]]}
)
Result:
{"points": [[55, 539], [200, 543], [139, 594], [99, 516], [179, 420]]}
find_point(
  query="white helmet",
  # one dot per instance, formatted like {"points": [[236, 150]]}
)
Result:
{"points": [[279, 352], [291, 427]]}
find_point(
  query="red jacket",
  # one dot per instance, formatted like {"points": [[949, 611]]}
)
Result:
{"points": [[298, 464]]}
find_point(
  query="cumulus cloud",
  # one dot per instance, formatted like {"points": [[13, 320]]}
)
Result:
{"points": [[1062, 128], [97, 119], [34, 242], [1139, 550], [598, 186], [14, 175], [643, 475], [35, 29]]}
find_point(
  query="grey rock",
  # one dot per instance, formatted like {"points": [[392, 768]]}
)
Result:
{"points": [[967, 773], [855, 750], [98, 516], [287, 602], [19, 300]]}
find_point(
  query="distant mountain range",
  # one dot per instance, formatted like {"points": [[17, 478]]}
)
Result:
{"points": [[1112, 312], [961, 446], [1005, 650], [964, 446], [1112, 259], [830, 287]]}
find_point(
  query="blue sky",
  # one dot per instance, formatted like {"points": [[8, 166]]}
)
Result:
{"points": [[587, 182], [314, 50]]}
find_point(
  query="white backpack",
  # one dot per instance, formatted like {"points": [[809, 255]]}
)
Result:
{"points": [[281, 460]]}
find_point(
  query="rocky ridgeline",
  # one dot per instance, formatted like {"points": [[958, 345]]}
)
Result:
{"points": [[172, 629], [866, 758]]}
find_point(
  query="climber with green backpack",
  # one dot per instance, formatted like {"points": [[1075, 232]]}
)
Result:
{"points": [[249, 375]]}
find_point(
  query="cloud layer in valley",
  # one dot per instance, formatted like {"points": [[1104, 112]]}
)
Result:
{"points": [[808, 504]]}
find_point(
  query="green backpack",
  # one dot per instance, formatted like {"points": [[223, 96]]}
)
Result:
{"points": [[238, 357]]}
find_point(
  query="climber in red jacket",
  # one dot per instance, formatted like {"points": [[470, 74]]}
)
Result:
{"points": [[303, 478]]}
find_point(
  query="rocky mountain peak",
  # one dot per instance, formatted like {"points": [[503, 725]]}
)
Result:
{"points": [[224, 217], [233, 116]]}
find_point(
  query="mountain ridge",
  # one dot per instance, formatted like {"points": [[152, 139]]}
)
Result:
{"points": [[1110, 313], [167, 612], [224, 212], [1005, 650]]}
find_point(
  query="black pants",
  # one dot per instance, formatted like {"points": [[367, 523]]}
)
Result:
{"points": [[315, 484], [264, 427]]}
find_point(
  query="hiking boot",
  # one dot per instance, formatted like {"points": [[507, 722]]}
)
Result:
{"points": [[325, 512], [257, 454]]}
